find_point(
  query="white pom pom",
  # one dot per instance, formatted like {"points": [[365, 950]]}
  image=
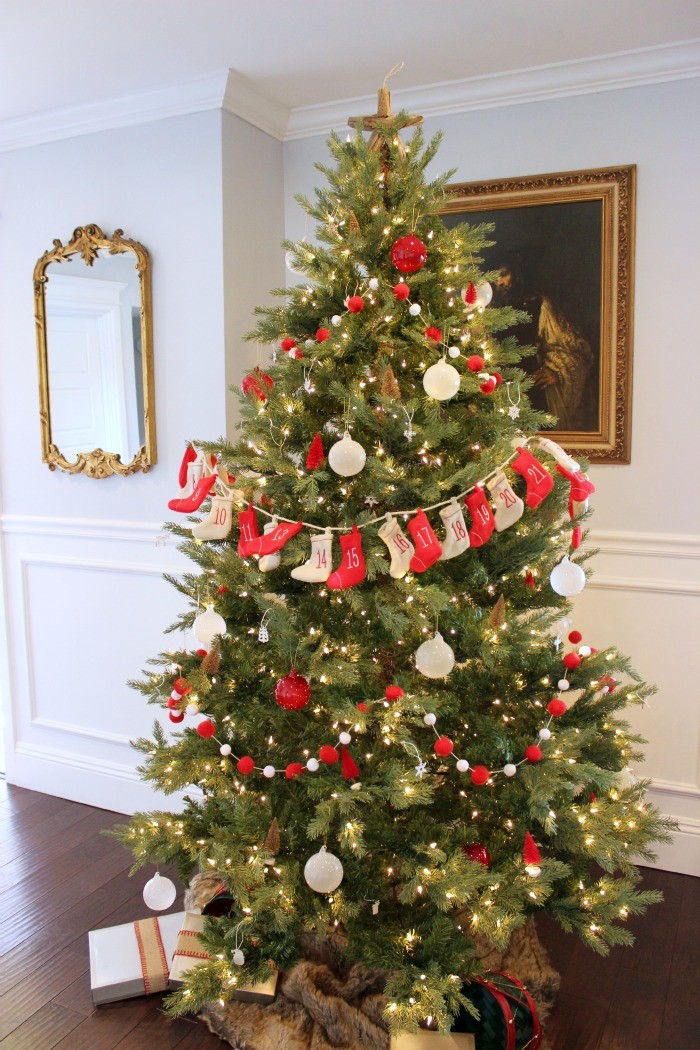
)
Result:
{"points": [[510, 770], [544, 733], [356, 786], [309, 343], [454, 351], [335, 319], [462, 765], [563, 685], [430, 719], [225, 750], [373, 283], [414, 309], [238, 958], [312, 765], [345, 738], [269, 772], [192, 709], [584, 650]]}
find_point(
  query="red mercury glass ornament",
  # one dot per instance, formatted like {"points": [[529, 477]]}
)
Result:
{"points": [[476, 852], [292, 692], [409, 254]]}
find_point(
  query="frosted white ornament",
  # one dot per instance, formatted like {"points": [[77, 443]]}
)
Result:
{"points": [[347, 457], [567, 578], [269, 772], [414, 309], [584, 650], [441, 381], [454, 351], [225, 750], [563, 685], [238, 958], [430, 719], [545, 733], [207, 625], [374, 283], [312, 765], [323, 872], [335, 319], [626, 779], [289, 258], [462, 765], [484, 294], [159, 893], [345, 738], [434, 658], [510, 770]]}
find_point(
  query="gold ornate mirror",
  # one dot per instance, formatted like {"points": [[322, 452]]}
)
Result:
{"points": [[92, 301]]}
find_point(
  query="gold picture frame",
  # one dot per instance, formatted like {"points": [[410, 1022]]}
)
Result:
{"points": [[571, 235], [90, 244]]}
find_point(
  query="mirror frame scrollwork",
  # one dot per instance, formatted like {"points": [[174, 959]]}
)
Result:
{"points": [[86, 242]]}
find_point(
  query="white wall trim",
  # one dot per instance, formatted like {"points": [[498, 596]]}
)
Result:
{"points": [[229, 90], [682, 854], [625, 69], [653, 544], [601, 582], [74, 730], [87, 529], [672, 787]]}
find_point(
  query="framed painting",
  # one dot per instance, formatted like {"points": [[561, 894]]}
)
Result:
{"points": [[564, 253]]}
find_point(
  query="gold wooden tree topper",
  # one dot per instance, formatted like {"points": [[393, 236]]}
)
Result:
{"points": [[384, 122]]}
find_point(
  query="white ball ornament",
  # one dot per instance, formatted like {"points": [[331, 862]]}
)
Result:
{"points": [[563, 685], [323, 872], [567, 578], [345, 738], [454, 352], [269, 772], [347, 456], [462, 765], [225, 750], [441, 381], [238, 958], [207, 625], [434, 658], [510, 770], [544, 733], [335, 320], [312, 765], [159, 892], [584, 650], [414, 309], [484, 294], [430, 719]]}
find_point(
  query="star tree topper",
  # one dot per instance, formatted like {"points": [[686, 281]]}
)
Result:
{"points": [[384, 122]]}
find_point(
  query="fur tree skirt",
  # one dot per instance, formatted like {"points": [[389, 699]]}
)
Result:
{"points": [[324, 1003]]}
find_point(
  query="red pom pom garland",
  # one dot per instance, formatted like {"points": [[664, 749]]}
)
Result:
{"points": [[206, 729], [328, 754], [322, 335], [401, 292], [356, 304], [433, 333]]}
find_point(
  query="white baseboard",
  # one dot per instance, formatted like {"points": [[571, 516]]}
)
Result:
{"points": [[682, 855]]}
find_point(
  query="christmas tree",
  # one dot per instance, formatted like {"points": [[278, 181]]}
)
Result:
{"points": [[393, 736]]}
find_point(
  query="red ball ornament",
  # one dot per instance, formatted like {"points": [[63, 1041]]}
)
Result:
{"points": [[293, 770], [488, 387], [533, 753], [478, 853], [434, 333], [556, 707], [182, 686], [443, 746], [328, 754], [401, 291], [409, 254], [245, 765], [322, 334], [177, 716], [255, 383], [288, 344], [475, 363], [362, 706], [292, 692], [480, 775], [356, 304], [206, 728], [222, 590], [575, 637], [393, 692], [571, 661]]}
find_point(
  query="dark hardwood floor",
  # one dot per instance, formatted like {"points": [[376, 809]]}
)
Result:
{"points": [[60, 878]]}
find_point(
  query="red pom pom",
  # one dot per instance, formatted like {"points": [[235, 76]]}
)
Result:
{"points": [[488, 387], [531, 853], [292, 692], [480, 775], [296, 354], [245, 765], [443, 746], [222, 590], [173, 702], [498, 377], [533, 753], [393, 692], [470, 294], [478, 853], [328, 754], [293, 770], [609, 681], [288, 344], [362, 706], [356, 304], [571, 660], [322, 334], [206, 728], [434, 334], [181, 686], [177, 716], [475, 363], [315, 456], [575, 637], [556, 707], [409, 254], [401, 292]]}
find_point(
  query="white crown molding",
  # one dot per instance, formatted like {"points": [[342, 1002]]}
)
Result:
{"points": [[243, 99], [141, 107], [649, 65]]}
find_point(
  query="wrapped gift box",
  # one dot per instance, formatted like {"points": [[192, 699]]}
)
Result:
{"points": [[133, 959], [426, 1040], [189, 951]]}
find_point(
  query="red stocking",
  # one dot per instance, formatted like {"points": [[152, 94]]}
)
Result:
{"points": [[581, 487], [482, 516], [275, 540], [250, 536], [189, 457], [428, 548], [352, 569], [190, 503], [538, 480]]}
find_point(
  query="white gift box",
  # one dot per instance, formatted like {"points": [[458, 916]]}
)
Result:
{"points": [[126, 962], [189, 952], [426, 1040]]}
